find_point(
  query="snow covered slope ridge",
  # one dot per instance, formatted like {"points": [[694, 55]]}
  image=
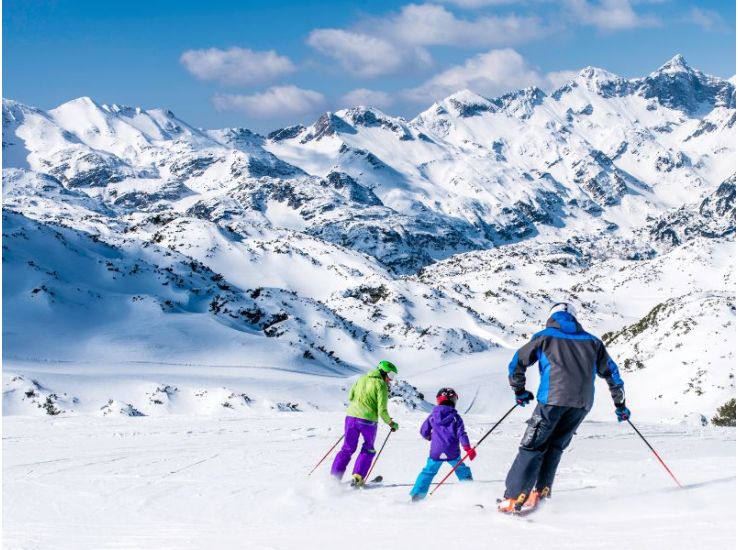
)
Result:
{"points": [[132, 236]]}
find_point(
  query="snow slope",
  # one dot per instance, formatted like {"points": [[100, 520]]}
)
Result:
{"points": [[203, 482], [132, 239]]}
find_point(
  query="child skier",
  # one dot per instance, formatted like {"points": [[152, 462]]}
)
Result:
{"points": [[444, 428]]}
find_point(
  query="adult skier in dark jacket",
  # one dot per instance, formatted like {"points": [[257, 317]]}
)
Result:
{"points": [[568, 360]]}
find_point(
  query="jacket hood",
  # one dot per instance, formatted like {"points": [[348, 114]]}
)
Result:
{"points": [[443, 415], [565, 322]]}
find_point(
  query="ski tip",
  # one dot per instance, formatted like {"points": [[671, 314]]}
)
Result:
{"points": [[519, 513]]}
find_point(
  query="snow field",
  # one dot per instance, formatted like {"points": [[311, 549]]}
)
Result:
{"points": [[183, 481]]}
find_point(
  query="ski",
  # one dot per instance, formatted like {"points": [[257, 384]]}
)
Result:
{"points": [[522, 515], [524, 511], [374, 482]]}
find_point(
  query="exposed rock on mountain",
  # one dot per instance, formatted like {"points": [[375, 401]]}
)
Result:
{"points": [[322, 248]]}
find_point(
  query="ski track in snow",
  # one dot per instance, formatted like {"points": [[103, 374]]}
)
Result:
{"points": [[183, 481]]}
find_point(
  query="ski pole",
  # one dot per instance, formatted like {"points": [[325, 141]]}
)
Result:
{"points": [[448, 475], [655, 453], [378, 454], [326, 454]]}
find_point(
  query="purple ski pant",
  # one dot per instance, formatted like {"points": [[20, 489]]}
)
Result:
{"points": [[353, 428]]}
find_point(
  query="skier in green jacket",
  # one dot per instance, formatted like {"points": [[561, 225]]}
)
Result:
{"points": [[367, 402]]}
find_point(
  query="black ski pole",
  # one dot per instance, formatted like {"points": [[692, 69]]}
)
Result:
{"points": [[326, 455], [378, 454], [655, 453], [448, 475]]}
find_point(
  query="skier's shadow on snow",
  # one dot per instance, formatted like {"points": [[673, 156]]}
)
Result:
{"points": [[697, 485], [689, 486], [706, 483], [565, 490]]}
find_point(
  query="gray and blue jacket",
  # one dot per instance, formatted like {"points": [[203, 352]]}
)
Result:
{"points": [[568, 360]]}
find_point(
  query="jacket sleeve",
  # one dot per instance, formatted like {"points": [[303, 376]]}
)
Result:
{"points": [[382, 403], [352, 391], [461, 433], [608, 369], [523, 358], [425, 429]]}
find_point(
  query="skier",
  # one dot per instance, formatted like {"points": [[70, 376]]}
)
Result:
{"points": [[367, 402], [568, 359], [444, 428]]}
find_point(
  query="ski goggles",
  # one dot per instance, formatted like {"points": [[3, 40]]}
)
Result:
{"points": [[389, 374]]}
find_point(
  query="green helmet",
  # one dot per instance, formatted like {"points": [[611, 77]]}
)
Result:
{"points": [[387, 367]]}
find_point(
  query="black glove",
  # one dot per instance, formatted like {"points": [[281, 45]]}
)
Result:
{"points": [[622, 412], [523, 397]]}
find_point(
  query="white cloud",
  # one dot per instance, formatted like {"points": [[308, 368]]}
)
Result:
{"points": [[276, 101], [488, 74], [236, 65], [393, 43], [707, 19], [429, 24], [609, 14], [364, 54], [369, 98], [556, 79]]}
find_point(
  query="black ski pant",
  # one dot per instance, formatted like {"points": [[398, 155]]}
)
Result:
{"points": [[549, 432]]}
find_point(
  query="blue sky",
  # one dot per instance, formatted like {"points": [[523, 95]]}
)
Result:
{"points": [[267, 64]]}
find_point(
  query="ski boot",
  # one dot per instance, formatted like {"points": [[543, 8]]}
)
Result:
{"points": [[512, 505], [535, 498], [357, 482], [416, 498]]}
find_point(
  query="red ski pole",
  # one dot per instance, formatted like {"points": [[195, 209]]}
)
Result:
{"points": [[655, 453], [326, 454], [448, 475]]}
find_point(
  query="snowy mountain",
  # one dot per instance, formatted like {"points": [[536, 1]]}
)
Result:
{"points": [[131, 237]]}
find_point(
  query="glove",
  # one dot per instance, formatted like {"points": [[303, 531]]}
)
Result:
{"points": [[471, 452], [524, 397], [394, 426], [622, 412]]}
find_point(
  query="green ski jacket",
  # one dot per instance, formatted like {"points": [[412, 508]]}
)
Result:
{"points": [[368, 398]]}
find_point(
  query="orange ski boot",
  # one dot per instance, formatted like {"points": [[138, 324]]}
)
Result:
{"points": [[533, 499], [512, 505]]}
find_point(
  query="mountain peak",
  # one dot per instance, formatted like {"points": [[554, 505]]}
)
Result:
{"points": [[362, 114], [676, 64], [85, 101], [596, 74], [468, 97], [466, 103]]}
